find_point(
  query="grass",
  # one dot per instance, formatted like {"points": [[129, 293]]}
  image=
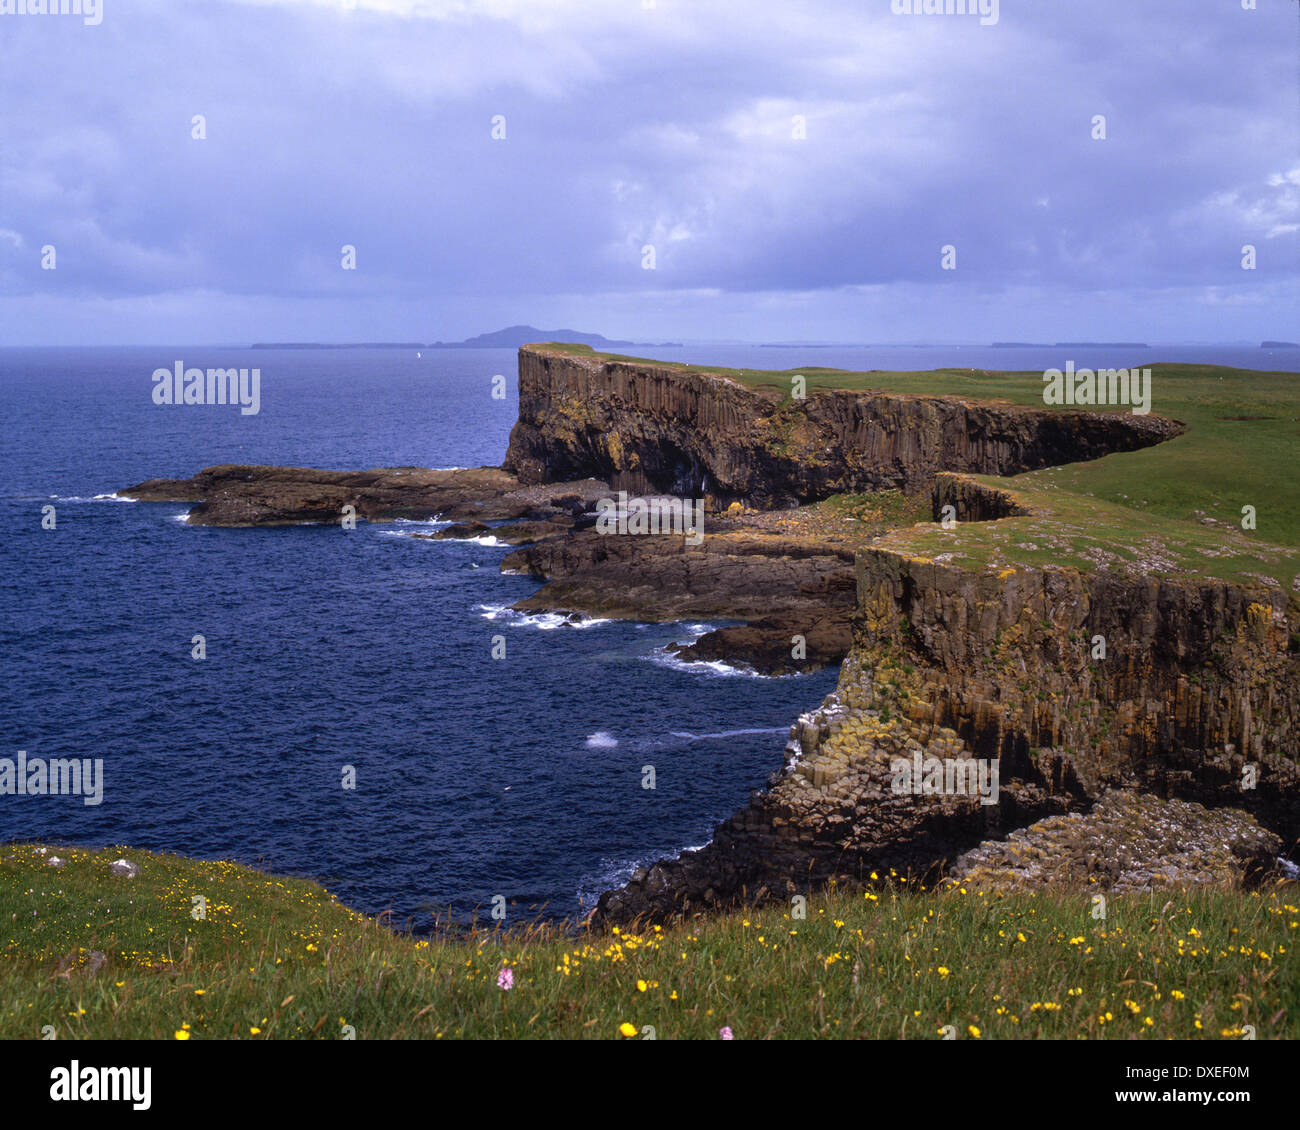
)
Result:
{"points": [[279, 958], [1174, 509]]}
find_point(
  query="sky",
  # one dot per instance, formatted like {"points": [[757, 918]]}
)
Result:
{"points": [[653, 170]]}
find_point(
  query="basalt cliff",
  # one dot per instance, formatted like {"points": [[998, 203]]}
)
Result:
{"points": [[652, 428], [1191, 708], [1141, 727]]}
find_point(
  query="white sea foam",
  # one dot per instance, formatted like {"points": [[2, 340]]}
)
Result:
{"points": [[715, 667], [614, 873], [94, 498], [542, 621], [601, 739], [729, 733]]}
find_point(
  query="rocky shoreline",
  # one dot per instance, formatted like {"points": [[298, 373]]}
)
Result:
{"points": [[779, 584], [1117, 773]]}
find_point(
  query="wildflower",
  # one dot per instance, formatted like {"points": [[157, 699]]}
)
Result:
{"points": [[725, 1034], [255, 1031], [943, 972], [641, 986], [181, 1034], [975, 1032], [626, 1029], [506, 978]]}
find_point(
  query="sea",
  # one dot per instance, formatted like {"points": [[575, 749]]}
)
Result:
{"points": [[363, 657]]}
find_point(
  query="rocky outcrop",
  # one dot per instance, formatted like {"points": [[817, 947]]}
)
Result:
{"points": [[1192, 697], [1130, 841], [657, 428], [796, 594], [239, 495]]}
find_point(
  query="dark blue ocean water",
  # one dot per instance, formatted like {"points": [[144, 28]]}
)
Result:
{"points": [[475, 777]]}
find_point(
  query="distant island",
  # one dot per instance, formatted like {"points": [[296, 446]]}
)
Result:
{"points": [[512, 337], [1279, 345]]}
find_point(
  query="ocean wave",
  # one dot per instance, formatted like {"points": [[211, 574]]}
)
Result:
{"points": [[661, 657], [112, 497], [601, 739], [615, 873], [483, 539], [729, 733], [542, 621]]}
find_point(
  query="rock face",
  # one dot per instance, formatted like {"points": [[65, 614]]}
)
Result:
{"points": [[1195, 700], [651, 428], [1129, 842], [783, 586]]}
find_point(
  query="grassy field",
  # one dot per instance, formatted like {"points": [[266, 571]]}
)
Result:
{"points": [[90, 955], [1173, 509]]}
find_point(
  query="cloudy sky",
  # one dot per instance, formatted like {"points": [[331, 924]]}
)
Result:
{"points": [[797, 166]]}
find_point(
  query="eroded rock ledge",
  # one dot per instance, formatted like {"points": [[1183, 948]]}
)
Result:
{"points": [[249, 495]]}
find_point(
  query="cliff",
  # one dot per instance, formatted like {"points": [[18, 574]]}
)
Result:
{"points": [[1146, 690], [1193, 701], [659, 428]]}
